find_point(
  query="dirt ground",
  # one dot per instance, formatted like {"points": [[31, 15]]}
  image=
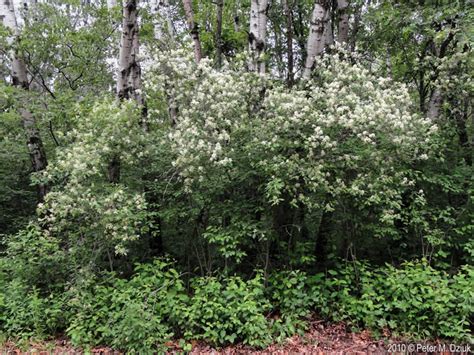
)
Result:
{"points": [[321, 338]]}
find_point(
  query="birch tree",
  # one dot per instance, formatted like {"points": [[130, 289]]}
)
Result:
{"points": [[129, 83], [316, 38], [129, 78], [193, 29], [343, 22], [328, 29], [162, 25], [258, 34], [19, 78]]}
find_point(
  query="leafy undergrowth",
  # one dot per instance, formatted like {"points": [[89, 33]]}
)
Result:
{"points": [[320, 337], [149, 311]]}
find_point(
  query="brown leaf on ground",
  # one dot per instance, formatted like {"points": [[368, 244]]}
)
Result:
{"points": [[320, 338]]}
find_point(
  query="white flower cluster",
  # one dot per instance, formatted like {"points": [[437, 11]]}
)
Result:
{"points": [[211, 105], [86, 206], [344, 133]]}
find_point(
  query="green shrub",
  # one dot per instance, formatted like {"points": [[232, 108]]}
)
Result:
{"points": [[289, 296], [423, 301], [139, 314], [414, 300], [36, 258], [25, 313], [228, 311], [142, 313]]}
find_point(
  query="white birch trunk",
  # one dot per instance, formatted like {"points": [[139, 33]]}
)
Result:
{"points": [[193, 29], [258, 35], [157, 23], [129, 83], [20, 79], [236, 15], [316, 38], [343, 23], [163, 25], [111, 3]]}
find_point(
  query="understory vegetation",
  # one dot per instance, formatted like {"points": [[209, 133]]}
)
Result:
{"points": [[155, 305], [225, 195]]}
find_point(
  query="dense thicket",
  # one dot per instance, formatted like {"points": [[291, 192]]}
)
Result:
{"points": [[244, 165]]}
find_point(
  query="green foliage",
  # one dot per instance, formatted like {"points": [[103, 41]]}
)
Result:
{"points": [[227, 311], [36, 258], [290, 297], [237, 172], [144, 312], [415, 300], [76, 48], [17, 197], [28, 314], [136, 315]]}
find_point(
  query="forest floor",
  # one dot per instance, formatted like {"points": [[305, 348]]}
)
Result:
{"points": [[320, 338]]}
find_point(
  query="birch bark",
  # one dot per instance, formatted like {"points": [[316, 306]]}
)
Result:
{"points": [[20, 79], [193, 29], [434, 104], [129, 83], [316, 38], [258, 34], [129, 76], [343, 23]]}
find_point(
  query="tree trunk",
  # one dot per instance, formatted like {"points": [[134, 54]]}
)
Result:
{"points": [[343, 21], [316, 38], [434, 105], [258, 34], [461, 116], [356, 25], [328, 30], [193, 29], [129, 77], [237, 16], [129, 86], [322, 238], [129, 83], [289, 42], [157, 24], [220, 8], [111, 3], [20, 79], [160, 8]]}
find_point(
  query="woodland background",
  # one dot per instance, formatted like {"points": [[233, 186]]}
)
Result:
{"points": [[222, 170]]}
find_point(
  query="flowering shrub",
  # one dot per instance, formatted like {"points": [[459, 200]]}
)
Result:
{"points": [[84, 210], [347, 134]]}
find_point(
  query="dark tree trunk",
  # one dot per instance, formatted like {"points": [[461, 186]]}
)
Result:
{"points": [[220, 8], [461, 119], [289, 41], [193, 29], [322, 238]]}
